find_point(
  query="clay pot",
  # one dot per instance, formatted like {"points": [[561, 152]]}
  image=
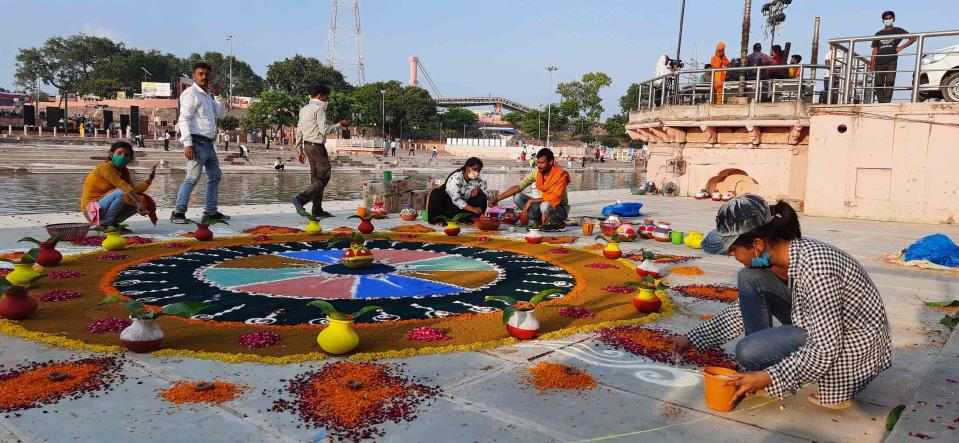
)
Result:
{"points": [[523, 218], [509, 218], [366, 225], [408, 213], [534, 236], [378, 210], [612, 251], [17, 305], [647, 301], [143, 335], [114, 242], [662, 231], [523, 325], [626, 231], [338, 337], [203, 232], [718, 397], [49, 255], [646, 230], [609, 226], [647, 267], [486, 223], [452, 229], [357, 257], [313, 227], [22, 274]]}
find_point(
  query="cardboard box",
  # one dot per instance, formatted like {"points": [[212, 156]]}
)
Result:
{"points": [[392, 202], [418, 199], [381, 187]]}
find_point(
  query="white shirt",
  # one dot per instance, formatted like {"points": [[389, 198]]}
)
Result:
{"points": [[312, 125], [198, 113], [661, 70]]}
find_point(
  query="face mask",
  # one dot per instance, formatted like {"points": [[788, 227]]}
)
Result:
{"points": [[888, 22], [762, 261], [120, 161], [473, 175], [322, 105]]}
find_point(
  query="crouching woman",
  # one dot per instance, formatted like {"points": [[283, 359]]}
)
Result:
{"points": [[833, 328], [109, 195]]}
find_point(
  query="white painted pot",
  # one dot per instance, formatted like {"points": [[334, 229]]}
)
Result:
{"points": [[523, 324], [142, 336]]}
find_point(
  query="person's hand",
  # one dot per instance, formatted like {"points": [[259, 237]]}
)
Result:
{"points": [[474, 192], [747, 382], [188, 152], [680, 344], [215, 88], [527, 205], [872, 65], [301, 158], [473, 209]]}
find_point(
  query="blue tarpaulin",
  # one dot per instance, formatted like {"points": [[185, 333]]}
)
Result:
{"points": [[623, 209], [936, 248]]}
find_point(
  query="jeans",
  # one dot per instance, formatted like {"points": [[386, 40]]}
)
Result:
{"points": [[204, 157], [320, 170], [113, 210], [762, 295], [885, 79], [554, 214]]}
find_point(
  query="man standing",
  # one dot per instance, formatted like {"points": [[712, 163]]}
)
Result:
{"points": [[885, 57], [311, 140], [553, 207], [166, 140], [412, 146], [433, 155], [393, 148], [199, 110]]}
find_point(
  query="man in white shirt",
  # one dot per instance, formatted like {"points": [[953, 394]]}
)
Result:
{"points": [[311, 133], [199, 110], [166, 140]]}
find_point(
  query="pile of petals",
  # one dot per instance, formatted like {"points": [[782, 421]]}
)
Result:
{"points": [[44, 383], [619, 289], [601, 265], [96, 240], [214, 392], [262, 237], [349, 399], [548, 378], [13, 256], [109, 324], [427, 333], [686, 270], [259, 339], [176, 244], [413, 229], [113, 256], [486, 233], [59, 295], [576, 312], [663, 258], [484, 238], [271, 230], [66, 273], [656, 345], [725, 294], [559, 251], [559, 240], [5, 271], [408, 236]]}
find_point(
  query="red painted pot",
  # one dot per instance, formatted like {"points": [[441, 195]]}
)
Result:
{"points": [[17, 305], [509, 218], [523, 218], [647, 305], [452, 232], [523, 325], [366, 225], [357, 257], [203, 232], [49, 255]]}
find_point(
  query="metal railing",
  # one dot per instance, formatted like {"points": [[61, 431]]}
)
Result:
{"points": [[854, 78]]}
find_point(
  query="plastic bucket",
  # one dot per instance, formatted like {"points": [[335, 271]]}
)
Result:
{"points": [[588, 228], [676, 237], [718, 396], [387, 175]]}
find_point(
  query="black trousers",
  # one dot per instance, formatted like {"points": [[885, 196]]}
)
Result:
{"points": [[885, 79], [439, 203], [320, 171]]}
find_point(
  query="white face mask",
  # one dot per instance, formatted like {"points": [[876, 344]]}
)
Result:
{"points": [[322, 105], [888, 22], [473, 175]]}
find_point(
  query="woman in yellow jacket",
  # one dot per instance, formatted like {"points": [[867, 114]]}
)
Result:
{"points": [[109, 195]]}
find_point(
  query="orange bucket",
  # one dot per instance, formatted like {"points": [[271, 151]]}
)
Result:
{"points": [[718, 396], [588, 228]]}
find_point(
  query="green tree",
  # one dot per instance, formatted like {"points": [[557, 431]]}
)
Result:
{"points": [[630, 100], [515, 119], [246, 82], [340, 106], [405, 107], [66, 63], [615, 128], [534, 124], [295, 76], [126, 69], [228, 123], [274, 110], [456, 118], [585, 94]]}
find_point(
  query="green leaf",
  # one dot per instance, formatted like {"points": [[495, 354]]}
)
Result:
{"points": [[34, 279], [507, 313], [543, 294], [336, 242], [357, 216], [507, 299], [327, 308], [30, 239], [950, 321], [185, 309], [110, 299], [942, 304], [135, 308], [893, 416], [5, 285], [366, 309]]}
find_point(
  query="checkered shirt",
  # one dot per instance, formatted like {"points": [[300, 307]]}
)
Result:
{"points": [[839, 307]]}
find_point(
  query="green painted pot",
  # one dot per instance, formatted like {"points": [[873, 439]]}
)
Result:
{"points": [[676, 237]]}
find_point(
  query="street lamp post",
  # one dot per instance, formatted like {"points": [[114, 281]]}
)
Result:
{"points": [[549, 97], [230, 39], [383, 93], [464, 130], [539, 127]]}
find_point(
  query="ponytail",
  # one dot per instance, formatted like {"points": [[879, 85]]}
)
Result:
{"points": [[784, 226]]}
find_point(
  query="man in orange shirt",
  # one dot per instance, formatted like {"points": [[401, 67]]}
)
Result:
{"points": [[552, 208]]}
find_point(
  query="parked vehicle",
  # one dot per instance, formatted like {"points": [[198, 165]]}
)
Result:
{"points": [[939, 75]]}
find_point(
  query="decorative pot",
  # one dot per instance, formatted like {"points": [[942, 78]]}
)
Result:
{"points": [[378, 210], [313, 227], [693, 239], [662, 231], [610, 225], [408, 213], [612, 251], [17, 305], [143, 335], [676, 237], [626, 231], [357, 257], [647, 267], [452, 229], [588, 227], [727, 196], [534, 236], [21, 274], [509, 217], [49, 255], [366, 225], [203, 232], [487, 223], [114, 242], [646, 229], [701, 195], [717, 197], [338, 337], [647, 301], [718, 396], [524, 218], [523, 325]]}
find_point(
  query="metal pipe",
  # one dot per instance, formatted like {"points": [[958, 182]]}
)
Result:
{"points": [[682, 14], [757, 86], [918, 71], [847, 72], [799, 95], [712, 86], [814, 53]]}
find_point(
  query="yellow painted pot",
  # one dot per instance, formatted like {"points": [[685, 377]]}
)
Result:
{"points": [[21, 274], [647, 294], [612, 250], [693, 239], [114, 242], [338, 337], [313, 227]]}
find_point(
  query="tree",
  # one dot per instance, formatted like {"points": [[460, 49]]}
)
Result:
{"points": [[534, 124], [65, 63], [246, 83], [405, 108], [585, 94], [456, 117], [515, 119], [228, 123], [129, 67], [274, 110], [295, 76], [629, 101], [340, 106]]}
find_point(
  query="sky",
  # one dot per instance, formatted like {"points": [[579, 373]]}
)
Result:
{"points": [[469, 48]]}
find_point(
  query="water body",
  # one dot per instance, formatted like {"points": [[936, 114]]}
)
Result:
{"points": [[38, 193]]}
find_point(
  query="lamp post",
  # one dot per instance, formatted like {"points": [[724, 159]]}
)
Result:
{"points": [[383, 93], [549, 97], [539, 128], [230, 39], [464, 130]]}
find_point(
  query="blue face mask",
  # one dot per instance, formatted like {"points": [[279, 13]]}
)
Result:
{"points": [[762, 261], [120, 160]]}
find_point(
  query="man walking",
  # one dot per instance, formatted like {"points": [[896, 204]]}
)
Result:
{"points": [[433, 155], [199, 110], [885, 57], [166, 140], [311, 140]]}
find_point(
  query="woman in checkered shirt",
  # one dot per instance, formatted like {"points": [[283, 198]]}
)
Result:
{"points": [[834, 330]]}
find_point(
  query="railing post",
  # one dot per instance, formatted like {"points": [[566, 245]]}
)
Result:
{"points": [[756, 88], [847, 73], [799, 96], [917, 71], [712, 86]]}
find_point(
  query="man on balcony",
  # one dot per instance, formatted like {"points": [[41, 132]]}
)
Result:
{"points": [[885, 55]]}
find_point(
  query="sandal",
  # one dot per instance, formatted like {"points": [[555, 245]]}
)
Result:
{"points": [[814, 399]]}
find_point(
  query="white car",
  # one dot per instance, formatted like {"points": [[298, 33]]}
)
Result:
{"points": [[939, 75]]}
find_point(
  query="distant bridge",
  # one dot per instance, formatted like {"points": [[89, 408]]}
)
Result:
{"points": [[499, 102]]}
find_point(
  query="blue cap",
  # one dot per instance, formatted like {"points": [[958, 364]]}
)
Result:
{"points": [[741, 215]]}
